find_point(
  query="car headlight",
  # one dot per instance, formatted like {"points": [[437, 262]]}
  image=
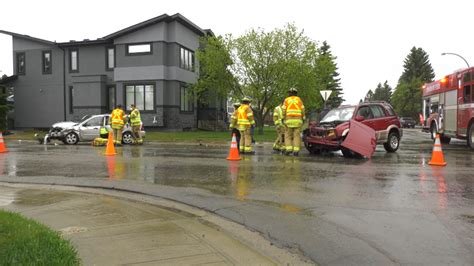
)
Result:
{"points": [[331, 133]]}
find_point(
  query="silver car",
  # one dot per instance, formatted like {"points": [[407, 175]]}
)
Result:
{"points": [[87, 130]]}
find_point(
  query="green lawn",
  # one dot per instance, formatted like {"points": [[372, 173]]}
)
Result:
{"points": [[27, 242], [168, 136], [205, 136]]}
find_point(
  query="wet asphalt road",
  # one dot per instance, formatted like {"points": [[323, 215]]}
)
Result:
{"points": [[392, 209]]}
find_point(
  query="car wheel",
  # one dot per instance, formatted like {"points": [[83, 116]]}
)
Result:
{"points": [[312, 148], [71, 138], [470, 136], [433, 131], [127, 138], [347, 153], [350, 154], [309, 146], [393, 142]]}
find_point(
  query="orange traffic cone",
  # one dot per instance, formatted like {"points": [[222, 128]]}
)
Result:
{"points": [[3, 148], [437, 157], [234, 151], [110, 150]]}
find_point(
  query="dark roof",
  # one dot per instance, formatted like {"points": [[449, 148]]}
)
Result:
{"points": [[27, 37], [162, 18], [84, 42], [110, 37]]}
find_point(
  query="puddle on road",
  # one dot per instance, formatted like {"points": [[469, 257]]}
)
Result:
{"points": [[264, 173]]}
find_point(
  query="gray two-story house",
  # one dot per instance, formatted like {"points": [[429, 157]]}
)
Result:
{"points": [[148, 64]]}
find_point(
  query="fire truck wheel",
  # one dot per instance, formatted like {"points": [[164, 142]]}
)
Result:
{"points": [[470, 136], [433, 131]]}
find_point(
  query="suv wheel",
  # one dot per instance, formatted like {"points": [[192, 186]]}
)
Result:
{"points": [[350, 154], [71, 138], [309, 146], [127, 138], [393, 142], [470, 136]]}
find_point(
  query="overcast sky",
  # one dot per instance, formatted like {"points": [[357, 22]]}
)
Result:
{"points": [[370, 38]]}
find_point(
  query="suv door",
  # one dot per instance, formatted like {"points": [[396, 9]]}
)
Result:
{"points": [[89, 130], [366, 113], [380, 122]]}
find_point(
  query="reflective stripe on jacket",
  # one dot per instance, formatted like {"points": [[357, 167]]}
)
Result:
{"points": [[117, 118], [293, 107], [233, 119], [277, 115], [245, 116], [103, 131], [135, 118]]}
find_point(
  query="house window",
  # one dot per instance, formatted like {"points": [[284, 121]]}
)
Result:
{"points": [[47, 63], [71, 99], [111, 97], [74, 60], [20, 63], [186, 103], [186, 59], [140, 95], [110, 58], [139, 49]]}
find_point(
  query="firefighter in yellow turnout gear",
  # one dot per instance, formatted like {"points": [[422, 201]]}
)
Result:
{"points": [[117, 120], [243, 118], [102, 140], [279, 144], [136, 122], [294, 114]]}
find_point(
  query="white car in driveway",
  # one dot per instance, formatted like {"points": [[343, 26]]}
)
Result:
{"points": [[87, 130]]}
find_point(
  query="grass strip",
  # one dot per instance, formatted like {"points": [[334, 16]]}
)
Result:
{"points": [[26, 242]]}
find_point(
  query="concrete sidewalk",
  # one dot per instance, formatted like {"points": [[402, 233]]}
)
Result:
{"points": [[111, 227]]}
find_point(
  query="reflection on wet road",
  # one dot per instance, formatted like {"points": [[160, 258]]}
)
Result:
{"points": [[392, 191]]}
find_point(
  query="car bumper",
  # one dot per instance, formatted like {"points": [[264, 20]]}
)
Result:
{"points": [[329, 144]]}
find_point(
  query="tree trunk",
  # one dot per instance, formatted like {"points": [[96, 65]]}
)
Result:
{"points": [[259, 122]]}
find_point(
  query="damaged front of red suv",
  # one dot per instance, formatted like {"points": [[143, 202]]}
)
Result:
{"points": [[325, 136], [329, 133]]}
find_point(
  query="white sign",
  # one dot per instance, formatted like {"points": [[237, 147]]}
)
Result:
{"points": [[325, 94]]}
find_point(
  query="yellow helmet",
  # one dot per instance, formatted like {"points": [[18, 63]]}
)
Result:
{"points": [[292, 90], [246, 99]]}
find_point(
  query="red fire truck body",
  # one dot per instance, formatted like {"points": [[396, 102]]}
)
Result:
{"points": [[448, 107]]}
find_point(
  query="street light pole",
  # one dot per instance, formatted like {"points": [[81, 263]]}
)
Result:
{"points": [[459, 57]]}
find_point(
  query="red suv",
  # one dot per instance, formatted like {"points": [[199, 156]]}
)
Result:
{"points": [[331, 131]]}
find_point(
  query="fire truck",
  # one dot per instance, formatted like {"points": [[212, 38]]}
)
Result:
{"points": [[448, 107]]}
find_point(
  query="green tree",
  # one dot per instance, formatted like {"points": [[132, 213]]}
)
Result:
{"points": [[326, 71], [403, 98], [264, 65], [417, 66], [417, 70], [382, 93], [369, 96], [214, 74], [267, 64]]}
